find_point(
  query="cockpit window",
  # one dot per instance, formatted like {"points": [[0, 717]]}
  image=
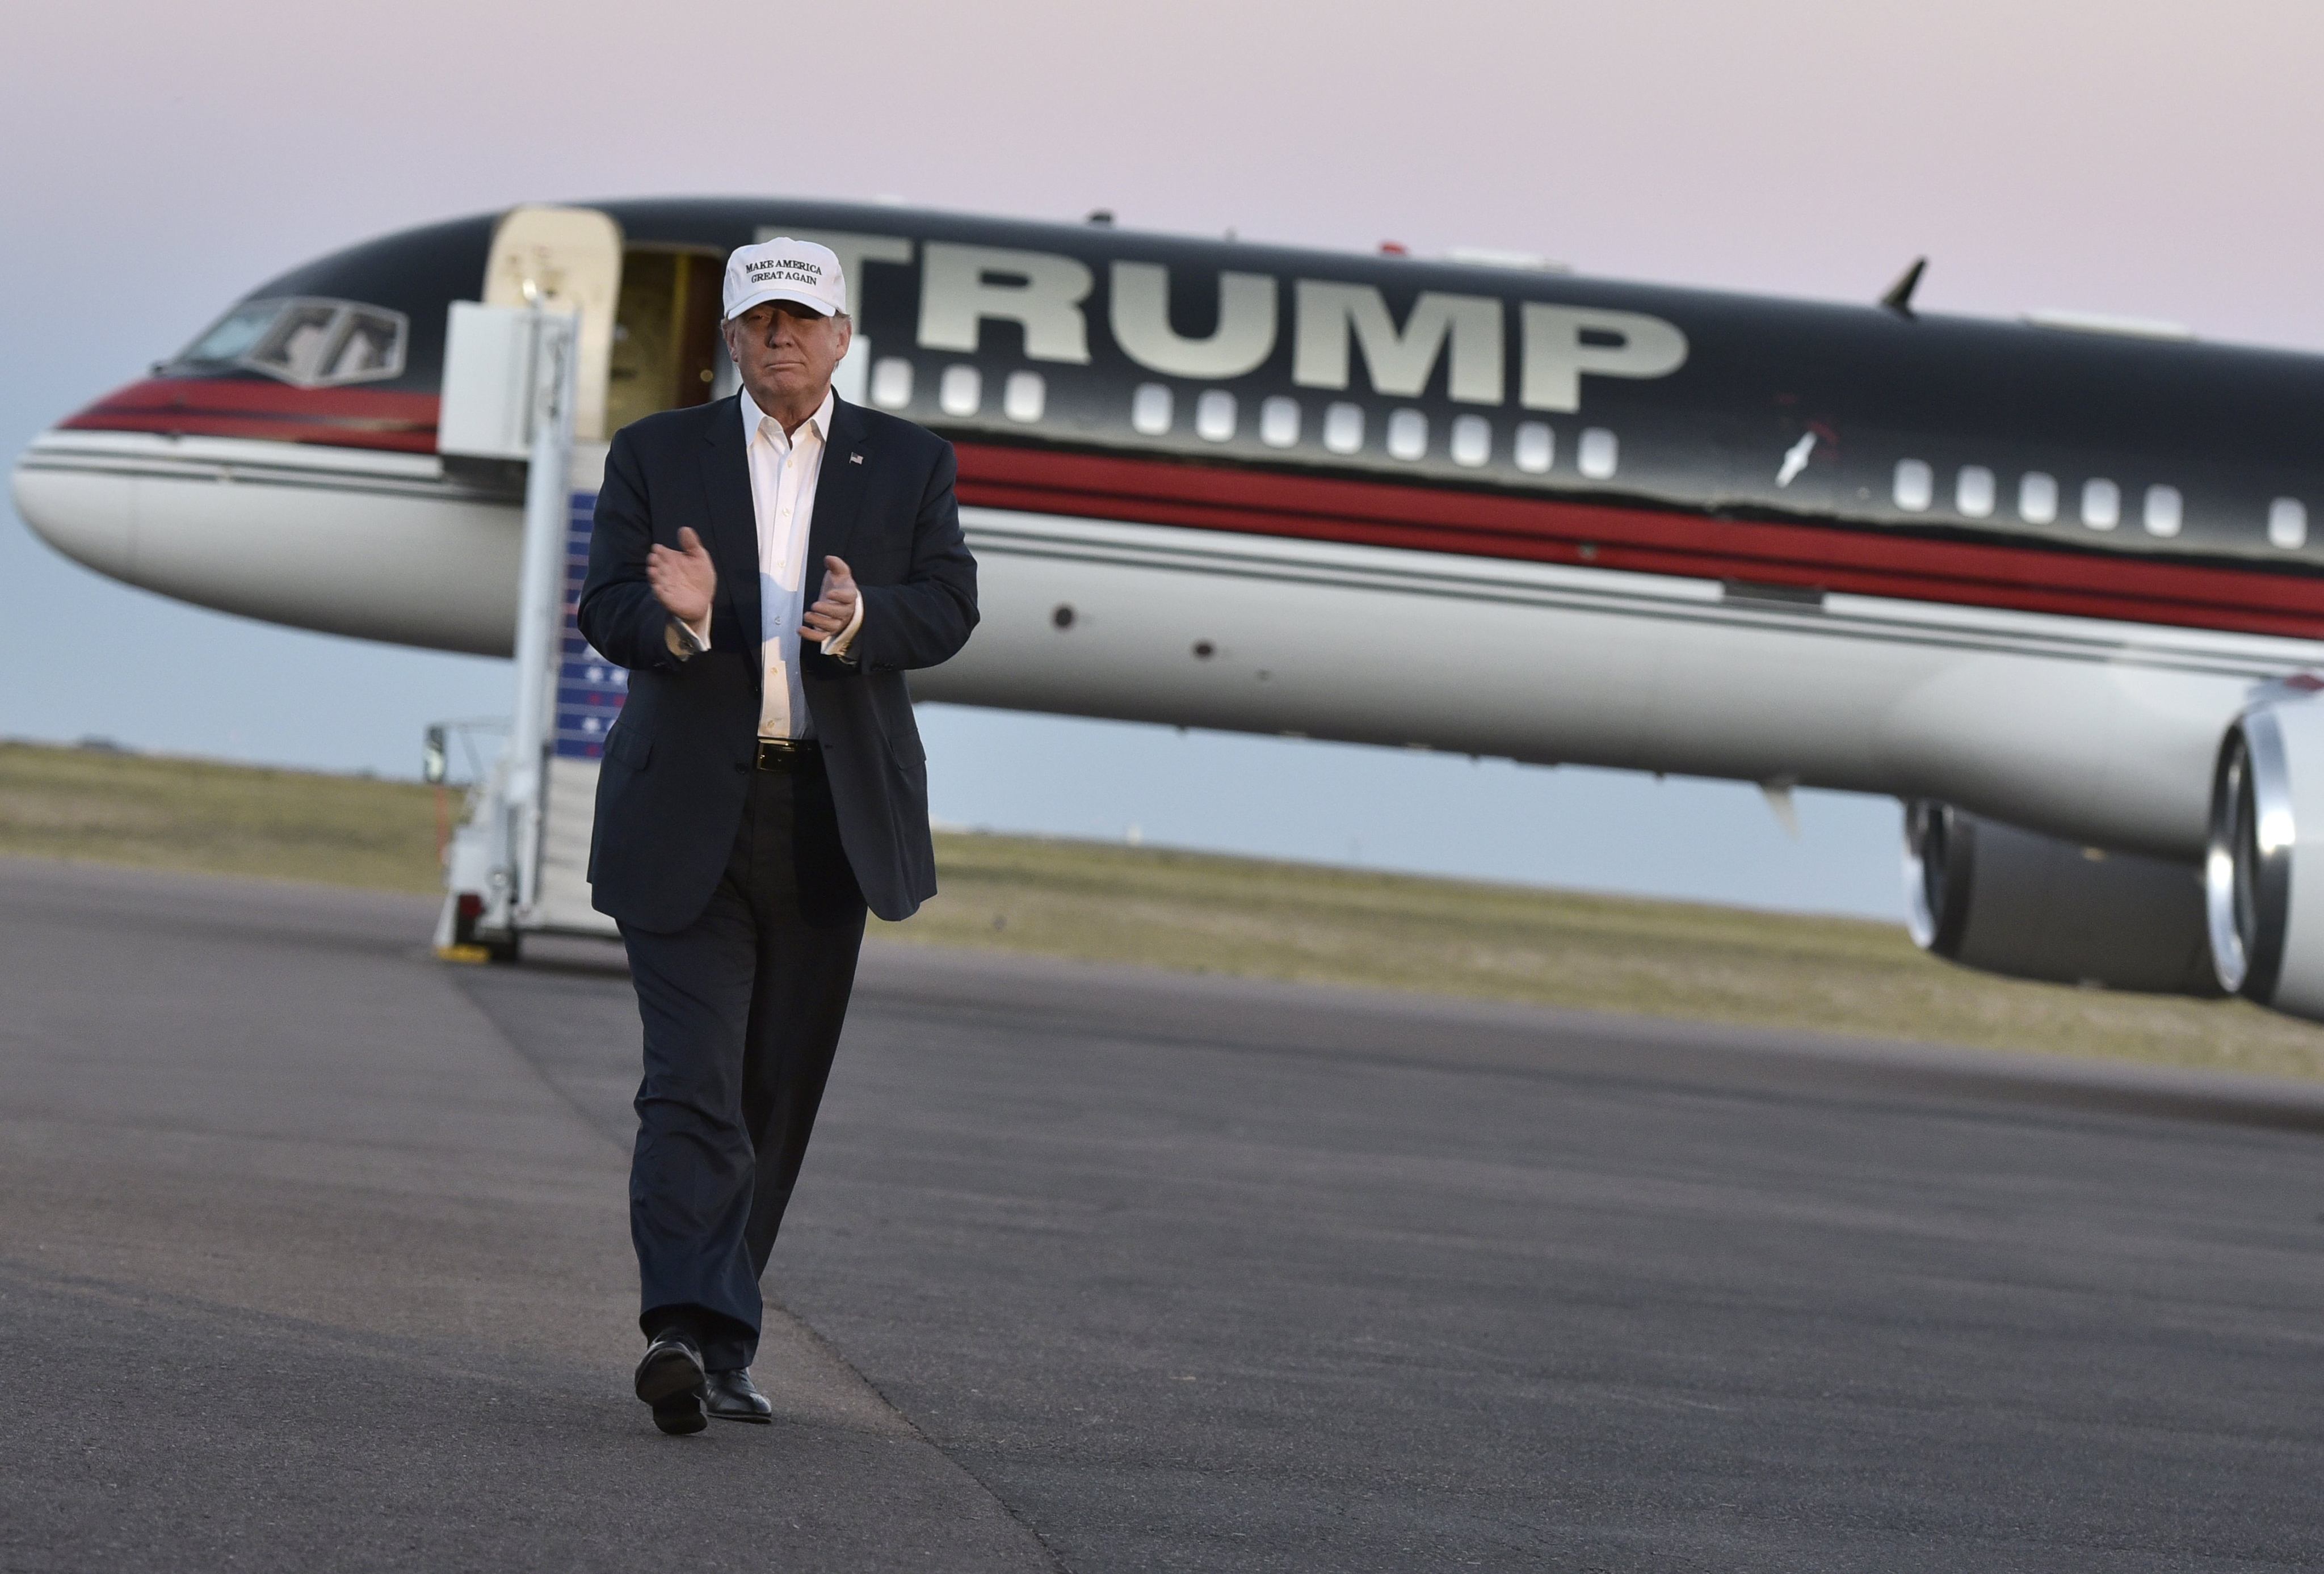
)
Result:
{"points": [[370, 346], [292, 348], [231, 338], [312, 342]]}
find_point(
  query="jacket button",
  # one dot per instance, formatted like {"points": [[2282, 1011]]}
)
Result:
{"points": [[740, 768]]}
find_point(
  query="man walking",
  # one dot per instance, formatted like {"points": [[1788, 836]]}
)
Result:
{"points": [[765, 782]]}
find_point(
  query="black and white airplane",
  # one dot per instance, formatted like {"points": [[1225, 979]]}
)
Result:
{"points": [[2053, 581]]}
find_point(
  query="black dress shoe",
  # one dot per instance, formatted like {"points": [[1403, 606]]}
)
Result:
{"points": [[671, 1378], [734, 1397]]}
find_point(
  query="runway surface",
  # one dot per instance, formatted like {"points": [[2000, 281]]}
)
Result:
{"points": [[312, 1255]]}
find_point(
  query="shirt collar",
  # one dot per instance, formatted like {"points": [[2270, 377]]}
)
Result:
{"points": [[753, 417]]}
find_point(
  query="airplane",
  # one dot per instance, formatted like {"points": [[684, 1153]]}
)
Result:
{"points": [[2053, 583]]}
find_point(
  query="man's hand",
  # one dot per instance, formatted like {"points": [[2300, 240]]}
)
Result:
{"points": [[829, 617], [683, 580]]}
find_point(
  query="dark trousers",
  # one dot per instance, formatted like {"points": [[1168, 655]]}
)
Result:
{"points": [[742, 1010]]}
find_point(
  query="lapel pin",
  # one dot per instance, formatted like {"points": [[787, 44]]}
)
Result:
{"points": [[855, 459]]}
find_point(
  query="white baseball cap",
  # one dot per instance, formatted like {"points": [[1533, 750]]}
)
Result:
{"points": [[784, 269]]}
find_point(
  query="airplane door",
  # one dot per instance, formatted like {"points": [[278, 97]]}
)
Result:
{"points": [[666, 349], [571, 258]]}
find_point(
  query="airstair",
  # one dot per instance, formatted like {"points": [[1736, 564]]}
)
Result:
{"points": [[519, 369]]}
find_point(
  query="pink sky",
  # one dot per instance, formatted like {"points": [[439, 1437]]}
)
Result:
{"points": [[2134, 157]]}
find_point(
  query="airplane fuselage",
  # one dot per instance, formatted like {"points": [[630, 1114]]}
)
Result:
{"points": [[2027, 569]]}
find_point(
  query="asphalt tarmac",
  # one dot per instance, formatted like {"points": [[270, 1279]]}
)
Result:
{"points": [[312, 1256]]}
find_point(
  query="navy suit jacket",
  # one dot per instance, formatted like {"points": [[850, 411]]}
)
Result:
{"points": [[678, 763]]}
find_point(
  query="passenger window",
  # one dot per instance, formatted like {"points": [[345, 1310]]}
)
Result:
{"points": [[1407, 435], [1973, 491], [1343, 427], [2101, 503], [1278, 422], [1023, 396], [960, 391], [1215, 414], [1149, 409], [2037, 498], [1916, 486], [1473, 440], [1535, 448], [2165, 511], [892, 383], [2287, 523], [1598, 454]]}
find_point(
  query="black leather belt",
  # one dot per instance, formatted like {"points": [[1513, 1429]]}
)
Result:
{"points": [[789, 754]]}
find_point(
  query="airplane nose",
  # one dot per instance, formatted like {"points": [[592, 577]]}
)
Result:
{"points": [[78, 503], [80, 485], [323, 508]]}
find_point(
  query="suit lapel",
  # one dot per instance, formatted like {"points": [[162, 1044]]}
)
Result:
{"points": [[733, 522], [838, 492]]}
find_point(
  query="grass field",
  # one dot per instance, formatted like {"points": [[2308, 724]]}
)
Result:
{"points": [[1199, 913], [112, 808]]}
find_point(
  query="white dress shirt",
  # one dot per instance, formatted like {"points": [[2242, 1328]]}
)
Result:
{"points": [[784, 468]]}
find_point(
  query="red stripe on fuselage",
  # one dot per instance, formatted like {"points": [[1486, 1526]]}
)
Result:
{"points": [[1861, 559], [267, 412]]}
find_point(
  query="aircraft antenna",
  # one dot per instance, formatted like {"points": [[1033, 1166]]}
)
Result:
{"points": [[1899, 298]]}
